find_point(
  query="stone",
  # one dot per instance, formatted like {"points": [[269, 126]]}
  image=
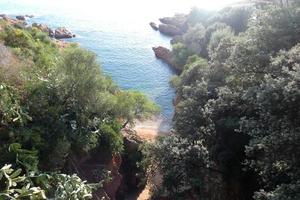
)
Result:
{"points": [[153, 26], [62, 33], [169, 30], [20, 17]]}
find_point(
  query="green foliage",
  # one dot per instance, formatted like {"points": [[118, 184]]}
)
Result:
{"points": [[194, 39], [60, 109], [180, 55], [274, 131], [275, 28], [111, 136], [25, 158], [242, 105], [30, 43], [134, 105], [235, 17], [220, 45], [10, 109], [15, 187], [183, 168], [197, 15], [72, 187]]}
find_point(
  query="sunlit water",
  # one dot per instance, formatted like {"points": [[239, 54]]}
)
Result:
{"points": [[118, 32]]}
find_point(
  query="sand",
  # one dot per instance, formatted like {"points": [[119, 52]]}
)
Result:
{"points": [[150, 129]]}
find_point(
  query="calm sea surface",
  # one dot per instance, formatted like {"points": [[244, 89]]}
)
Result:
{"points": [[119, 33]]}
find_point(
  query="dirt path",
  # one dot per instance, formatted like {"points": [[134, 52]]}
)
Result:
{"points": [[149, 130]]}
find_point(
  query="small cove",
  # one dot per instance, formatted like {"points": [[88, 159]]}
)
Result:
{"points": [[122, 40]]}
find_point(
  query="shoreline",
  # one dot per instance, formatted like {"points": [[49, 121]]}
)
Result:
{"points": [[150, 129]]}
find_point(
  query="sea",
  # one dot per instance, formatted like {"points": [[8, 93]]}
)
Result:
{"points": [[118, 32]]}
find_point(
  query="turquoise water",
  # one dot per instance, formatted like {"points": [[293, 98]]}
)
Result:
{"points": [[119, 34]]}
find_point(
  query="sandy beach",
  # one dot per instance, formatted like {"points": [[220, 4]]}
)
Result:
{"points": [[150, 129]]}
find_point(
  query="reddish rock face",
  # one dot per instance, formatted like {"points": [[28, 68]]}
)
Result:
{"points": [[87, 167], [112, 187], [163, 54]]}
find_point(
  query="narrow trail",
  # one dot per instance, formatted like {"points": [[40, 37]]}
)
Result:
{"points": [[148, 131]]}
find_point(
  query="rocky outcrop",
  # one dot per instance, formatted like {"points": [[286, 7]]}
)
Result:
{"points": [[153, 26], [29, 16], [44, 28], [20, 17], [163, 53], [169, 30], [14, 22], [20, 21], [173, 26], [178, 20], [62, 33], [59, 33]]}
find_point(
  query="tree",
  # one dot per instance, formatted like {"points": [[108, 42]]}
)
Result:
{"points": [[235, 17], [180, 54], [134, 105], [194, 39], [242, 104], [274, 147]]}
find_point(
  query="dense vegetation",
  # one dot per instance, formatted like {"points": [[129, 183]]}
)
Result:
{"points": [[57, 108], [236, 124]]}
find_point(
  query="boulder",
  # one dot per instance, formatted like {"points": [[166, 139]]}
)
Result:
{"points": [[178, 20], [44, 28], [20, 17], [153, 26], [29, 16], [62, 32], [163, 53], [169, 30]]}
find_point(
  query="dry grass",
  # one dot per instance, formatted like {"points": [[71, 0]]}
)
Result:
{"points": [[10, 66]]}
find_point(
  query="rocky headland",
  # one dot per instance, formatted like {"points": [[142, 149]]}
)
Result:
{"points": [[20, 21], [153, 26], [173, 27]]}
